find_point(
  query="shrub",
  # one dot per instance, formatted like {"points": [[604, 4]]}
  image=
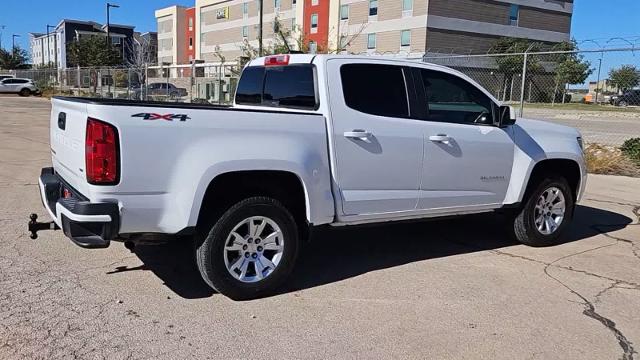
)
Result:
{"points": [[608, 160], [631, 148]]}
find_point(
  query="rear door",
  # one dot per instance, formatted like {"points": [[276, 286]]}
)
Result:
{"points": [[377, 148]]}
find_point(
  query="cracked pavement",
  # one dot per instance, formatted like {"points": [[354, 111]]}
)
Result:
{"points": [[441, 289]]}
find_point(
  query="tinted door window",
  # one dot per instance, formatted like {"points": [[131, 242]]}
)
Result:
{"points": [[452, 99], [375, 89], [249, 90], [290, 86]]}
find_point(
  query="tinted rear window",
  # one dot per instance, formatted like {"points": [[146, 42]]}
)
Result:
{"points": [[290, 86], [375, 89]]}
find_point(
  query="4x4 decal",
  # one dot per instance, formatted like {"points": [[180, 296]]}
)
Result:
{"points": [[168, 117]]}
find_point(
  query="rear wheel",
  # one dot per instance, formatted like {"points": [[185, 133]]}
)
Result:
{"points": [[545, 214], [25, 92], [623, 103], [250, 250]]}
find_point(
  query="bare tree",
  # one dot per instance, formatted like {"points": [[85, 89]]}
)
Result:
{"points": [[140, 54]]}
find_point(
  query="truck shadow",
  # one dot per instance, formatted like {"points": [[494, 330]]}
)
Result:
{"points": [[336, 254]]}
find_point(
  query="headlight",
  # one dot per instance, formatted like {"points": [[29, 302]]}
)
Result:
{"points": [[580, 143]]}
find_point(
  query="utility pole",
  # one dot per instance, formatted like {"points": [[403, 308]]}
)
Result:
{"points": [[55, 44], [261, 4]]}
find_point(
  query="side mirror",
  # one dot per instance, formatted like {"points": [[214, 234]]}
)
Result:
{"points": [[507, 115]]}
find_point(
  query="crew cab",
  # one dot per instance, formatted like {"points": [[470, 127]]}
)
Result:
{"points": [[311, 140]]}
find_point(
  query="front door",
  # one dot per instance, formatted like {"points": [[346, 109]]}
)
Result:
{"points": [[467, 160], [377, 150]]}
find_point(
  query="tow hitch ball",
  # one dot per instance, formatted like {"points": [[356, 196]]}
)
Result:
{"points": [[35, 226]]}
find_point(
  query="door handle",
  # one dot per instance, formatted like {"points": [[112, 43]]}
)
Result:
{"points": [[358, 134], [440, 138]]}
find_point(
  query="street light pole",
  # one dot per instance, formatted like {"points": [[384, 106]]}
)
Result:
{"points": [[2, 27], [261, 3], [13, 43], [109, 6]]}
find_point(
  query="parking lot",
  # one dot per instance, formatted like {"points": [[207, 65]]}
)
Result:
{"points": [[440, 289]]}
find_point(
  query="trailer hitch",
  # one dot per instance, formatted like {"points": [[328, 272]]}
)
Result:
{"points": [[35, 226]]}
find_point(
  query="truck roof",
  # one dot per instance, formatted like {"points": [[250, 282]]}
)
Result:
{"points": [[311, 58]]}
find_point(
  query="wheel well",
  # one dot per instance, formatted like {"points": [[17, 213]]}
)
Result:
{"points": [[568, 169], [227, 189]]}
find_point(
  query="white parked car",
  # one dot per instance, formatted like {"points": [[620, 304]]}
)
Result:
{"points": [[310, 141], [24, 87]]}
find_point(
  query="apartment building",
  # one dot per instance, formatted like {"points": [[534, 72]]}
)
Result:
{"points": [[215, 27], [51, 49], [444, 26]]}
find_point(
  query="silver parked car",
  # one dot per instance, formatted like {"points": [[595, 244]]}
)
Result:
{"points": [[24, 87]]}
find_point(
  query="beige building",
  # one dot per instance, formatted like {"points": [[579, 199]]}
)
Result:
{"points": [[171, 34], [445, 26], [406, 27], [227, 26]]}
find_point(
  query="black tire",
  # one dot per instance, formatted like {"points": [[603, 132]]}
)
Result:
{"points": [[524, 227], [210, 249], [622, 103], [25, 92]]}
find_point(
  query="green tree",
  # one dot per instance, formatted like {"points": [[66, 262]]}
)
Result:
{"points": [[511, 65], [571, 68], [92, 51], [624, 78], [16, 59]]}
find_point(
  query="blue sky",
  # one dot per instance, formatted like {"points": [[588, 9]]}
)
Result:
{"points": [[592, 19]]}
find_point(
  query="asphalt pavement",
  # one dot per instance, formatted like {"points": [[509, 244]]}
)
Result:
{"points": [[430, 290]]}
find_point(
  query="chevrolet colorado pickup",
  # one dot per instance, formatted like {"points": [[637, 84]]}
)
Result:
{"points": [[311, 140]]}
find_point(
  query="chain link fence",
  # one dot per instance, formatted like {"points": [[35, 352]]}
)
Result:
{"points": [[594, 91], [197, 83]]}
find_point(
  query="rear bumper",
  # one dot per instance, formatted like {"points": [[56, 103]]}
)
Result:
{"points": [[88, 225]]}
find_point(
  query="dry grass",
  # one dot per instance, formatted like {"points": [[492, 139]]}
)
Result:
{"points": [[609, 160]]}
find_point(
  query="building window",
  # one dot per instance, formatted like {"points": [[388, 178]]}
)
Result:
{"points": [[293, 24], [313, 47], [293, 2], [276, 4], [115, 40], [373, 7], [344, 12], [314, 2], [514, 11], [405, 38], [245, 32], [245, 8], [190, 43], [407, 5], [190, 24], [314, 23], [371, 41]]}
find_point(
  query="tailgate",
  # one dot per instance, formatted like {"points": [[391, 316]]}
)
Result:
{"points": [[68, 125]]}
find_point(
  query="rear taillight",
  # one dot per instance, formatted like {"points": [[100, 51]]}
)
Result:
{"points": [[101, 153], [276, 60]]}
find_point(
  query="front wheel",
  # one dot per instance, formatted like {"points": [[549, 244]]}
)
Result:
{"points": [[25, 92], [545, 214], [250, 250]]}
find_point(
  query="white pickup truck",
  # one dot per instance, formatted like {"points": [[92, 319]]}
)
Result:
{"points": [[311, 140]]}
